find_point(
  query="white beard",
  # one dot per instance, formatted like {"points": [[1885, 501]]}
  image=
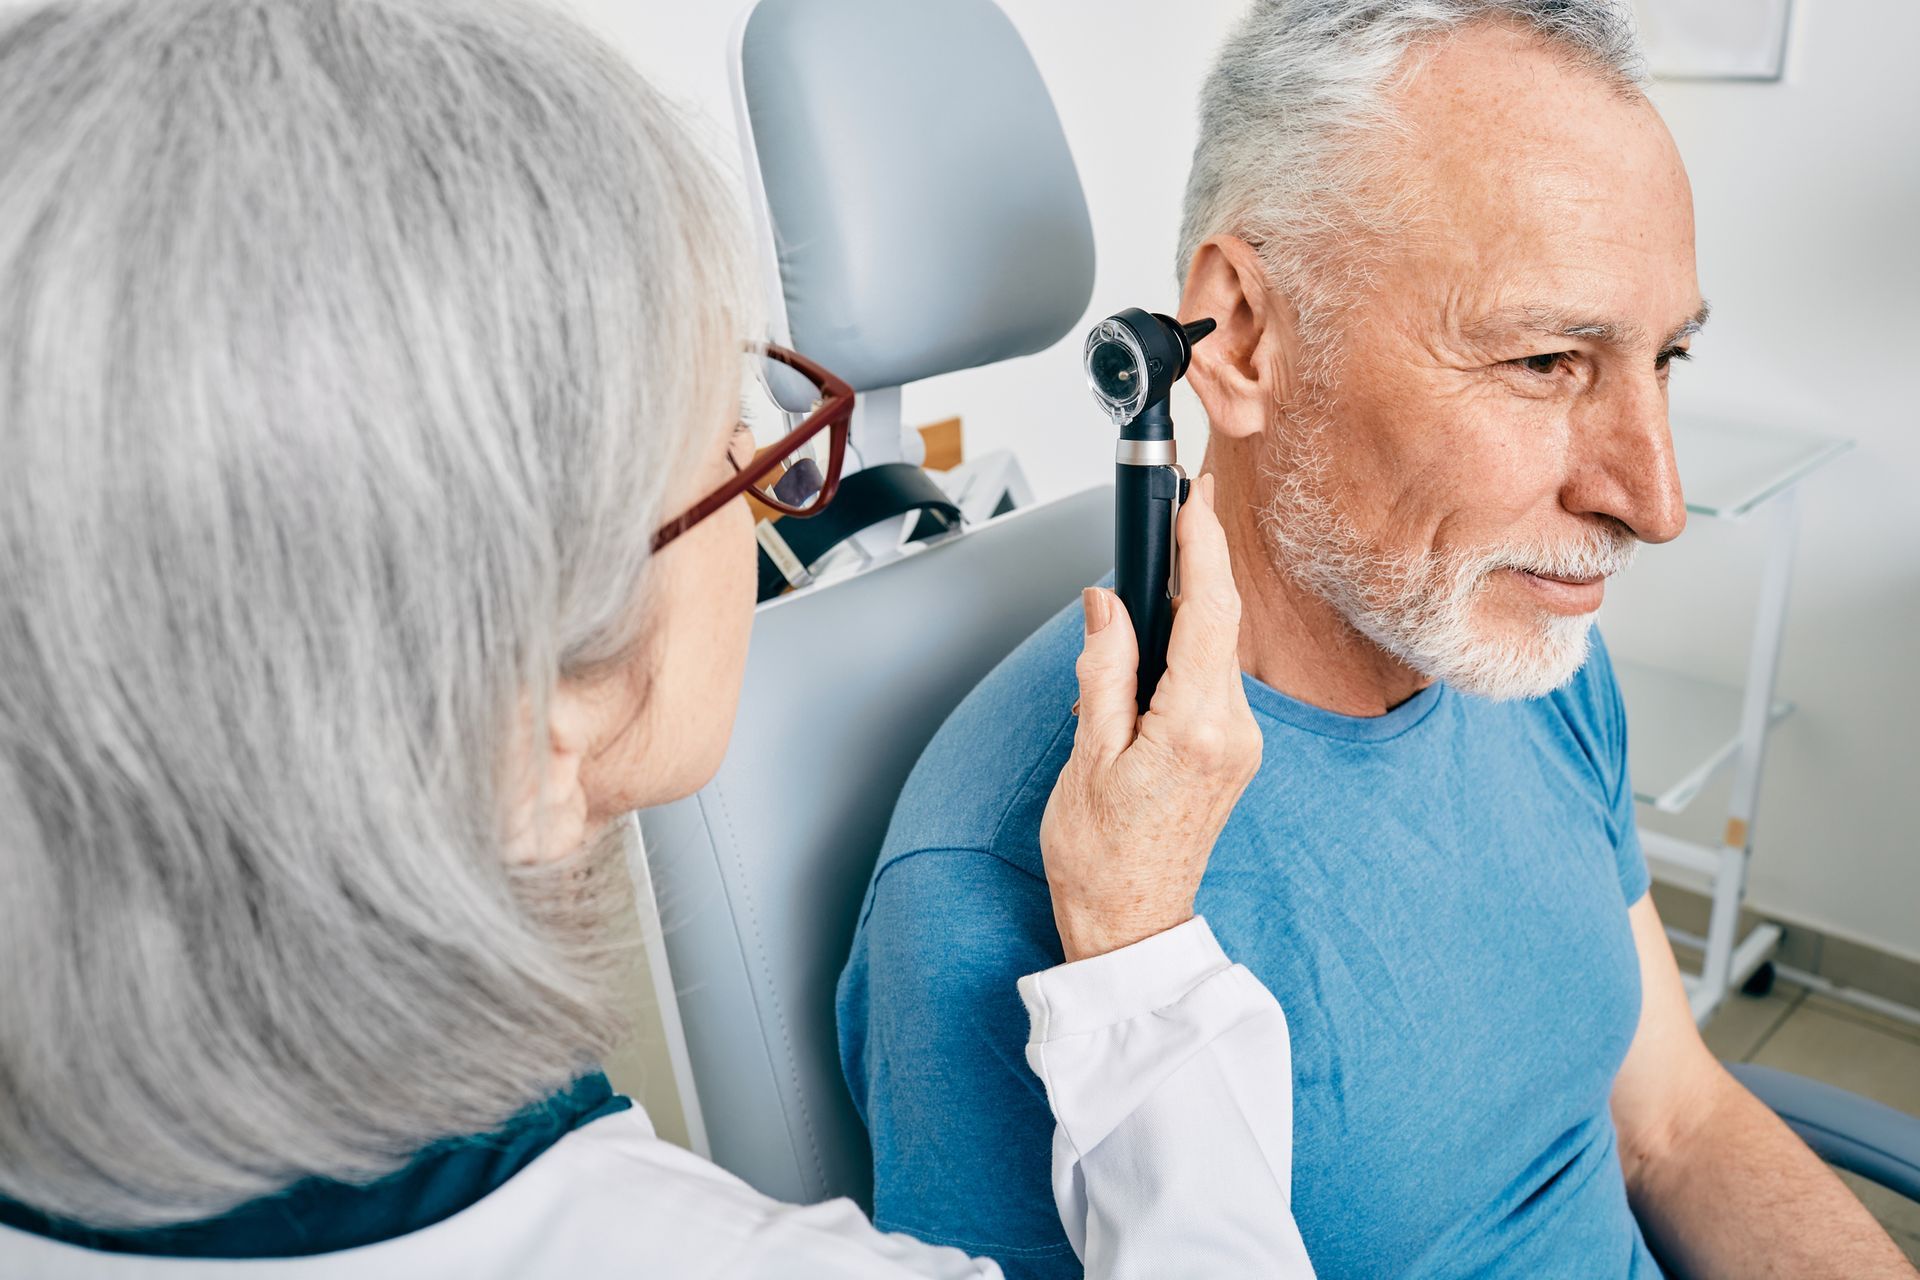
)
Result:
{"points": [[1420, 606]]}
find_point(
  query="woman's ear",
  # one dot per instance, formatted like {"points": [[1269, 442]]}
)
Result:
{"points": [[548, 817], [1245, 366]]}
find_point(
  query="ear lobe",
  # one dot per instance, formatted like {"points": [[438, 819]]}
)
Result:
{"points": [[548, 815], [1243, 368]]}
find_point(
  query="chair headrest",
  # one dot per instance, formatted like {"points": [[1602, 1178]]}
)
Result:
{"points": [[924, 208]]}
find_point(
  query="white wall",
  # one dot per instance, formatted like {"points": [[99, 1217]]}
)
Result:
{"points": [[1808, 197]]}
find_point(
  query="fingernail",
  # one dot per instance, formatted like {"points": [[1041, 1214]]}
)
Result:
{"points": [[1093, 602], [1206, 489]]}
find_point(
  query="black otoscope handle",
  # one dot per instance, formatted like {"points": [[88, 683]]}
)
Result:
{"points": [[1147, 499]]}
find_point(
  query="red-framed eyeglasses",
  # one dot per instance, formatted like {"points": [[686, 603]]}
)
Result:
{"points": [[790, 475]]}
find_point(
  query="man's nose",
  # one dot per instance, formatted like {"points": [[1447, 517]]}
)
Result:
{"points": [[1623, 465]]}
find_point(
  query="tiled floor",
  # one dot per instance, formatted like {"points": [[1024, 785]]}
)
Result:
{"points": [[1877, 1057]]}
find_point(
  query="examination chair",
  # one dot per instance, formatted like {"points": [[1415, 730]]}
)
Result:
{"points": [[919, 213]]}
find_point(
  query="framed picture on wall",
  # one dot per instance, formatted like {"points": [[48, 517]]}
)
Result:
{"points": [[1715, 39]]}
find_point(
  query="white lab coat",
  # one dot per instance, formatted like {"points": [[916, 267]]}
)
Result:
{"points": [[1169, 1075]]}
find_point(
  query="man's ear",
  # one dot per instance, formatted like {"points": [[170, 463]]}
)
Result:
{"points": [[1245, 366], [548, 817]]}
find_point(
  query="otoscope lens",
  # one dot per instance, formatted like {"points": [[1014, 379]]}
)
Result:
{"points": [[1115, 372]]}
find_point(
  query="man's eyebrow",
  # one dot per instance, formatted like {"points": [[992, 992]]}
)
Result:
{"points": [[1690, 326], [1552, 322], [1556, 322]]}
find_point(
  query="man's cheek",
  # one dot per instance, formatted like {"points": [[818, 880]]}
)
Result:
{"points": [[1503, 447]]}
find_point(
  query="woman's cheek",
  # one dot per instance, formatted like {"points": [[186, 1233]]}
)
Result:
{"points": [[724, 583]]}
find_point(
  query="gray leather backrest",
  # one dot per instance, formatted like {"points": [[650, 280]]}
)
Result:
{"points": [[926, 212], [760, 875]]}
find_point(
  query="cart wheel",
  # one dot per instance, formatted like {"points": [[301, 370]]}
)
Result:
{"points": [[1759, 982]]}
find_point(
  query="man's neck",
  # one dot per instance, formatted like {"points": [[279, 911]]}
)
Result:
{"points": [[1291, 639]]}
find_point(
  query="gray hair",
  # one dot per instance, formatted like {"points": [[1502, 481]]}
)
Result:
{"points": [[1300, 82], [348, 349]]}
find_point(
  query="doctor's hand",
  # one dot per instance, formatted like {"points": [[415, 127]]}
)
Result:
{"points": [[1134, 815]]}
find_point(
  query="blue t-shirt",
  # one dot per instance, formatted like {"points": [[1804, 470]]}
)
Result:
{"points": [[1437, 896]]}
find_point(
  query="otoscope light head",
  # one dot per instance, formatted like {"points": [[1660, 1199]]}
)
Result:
{"points": [[1133, 359]]}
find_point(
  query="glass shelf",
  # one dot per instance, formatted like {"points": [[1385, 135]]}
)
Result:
{"points": [[1681, 732], [1729, 470]]}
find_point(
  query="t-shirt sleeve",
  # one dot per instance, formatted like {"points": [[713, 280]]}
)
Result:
{"points": [[933, 1038], [1629, 859]]}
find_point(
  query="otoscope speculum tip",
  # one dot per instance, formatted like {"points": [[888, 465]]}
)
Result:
{"points": [[1198, 329]]}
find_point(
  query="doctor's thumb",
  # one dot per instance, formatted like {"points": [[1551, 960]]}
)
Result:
{"points": [[1107, 674]]}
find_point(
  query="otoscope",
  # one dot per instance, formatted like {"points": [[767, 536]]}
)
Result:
{"points": [[1132, 361]]}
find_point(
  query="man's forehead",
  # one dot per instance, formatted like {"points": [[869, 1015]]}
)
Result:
{"points": [[1510, 146], [1488, 86], [1547, 202]]}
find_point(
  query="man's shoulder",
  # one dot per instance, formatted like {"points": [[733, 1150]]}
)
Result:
{"points": [[983, 781]]}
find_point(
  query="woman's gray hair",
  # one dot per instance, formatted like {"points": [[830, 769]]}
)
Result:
{"points": [[1283, 161], [348, 350]]}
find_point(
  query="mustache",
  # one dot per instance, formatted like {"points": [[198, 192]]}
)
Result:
{"points": [[1601, 553]]}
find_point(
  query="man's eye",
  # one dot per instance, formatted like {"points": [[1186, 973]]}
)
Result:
{"points": [[1667, 357], [1542, 364]]}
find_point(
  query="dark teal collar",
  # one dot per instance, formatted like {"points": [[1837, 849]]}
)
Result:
{"points": [[319, 1215]]}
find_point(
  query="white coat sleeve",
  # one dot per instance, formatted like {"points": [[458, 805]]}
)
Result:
{"points": [[1171, 1080]]}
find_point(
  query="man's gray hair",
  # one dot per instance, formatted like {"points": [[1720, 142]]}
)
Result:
{"points": [[1281, 160], [348, 350]]}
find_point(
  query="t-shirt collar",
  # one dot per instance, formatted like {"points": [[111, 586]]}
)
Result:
{"points": [[1268, 701]]}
